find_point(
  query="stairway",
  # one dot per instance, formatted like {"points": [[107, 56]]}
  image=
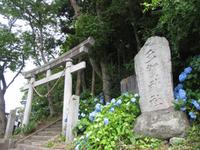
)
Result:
{"points": [[36, 140]]}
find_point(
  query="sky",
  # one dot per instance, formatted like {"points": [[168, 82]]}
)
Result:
{"points": [[13, 94]]}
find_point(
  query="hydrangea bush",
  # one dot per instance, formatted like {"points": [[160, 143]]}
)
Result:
{"points": [[186, 100], [110, 126]]}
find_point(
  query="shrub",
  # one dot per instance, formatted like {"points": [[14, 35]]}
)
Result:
{"points": [[110, 126], [29, 128], [186, 99]]}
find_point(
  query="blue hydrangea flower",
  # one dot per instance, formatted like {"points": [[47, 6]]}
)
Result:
{"points": [[106, 121], [92, 116], [188, 70], [133, 100], [82, 115], [176, 100], [178, 87], [183, 109], [98, 107], [184, 99], [96, 99], [77, 147], [118, 102], [125, 94], [107, 103], [112, 109], [182, 76], [196, 104], [182, 94], [176, 95], [102, 100], [113, 100], [136, 95], [192, 115]]}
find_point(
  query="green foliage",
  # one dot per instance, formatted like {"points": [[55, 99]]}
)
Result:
{"points": [[193, 84], [187, 94], [112, 129], [183, 38], [152, 5], [59, 140], [192, 140], [12, 54], [25, 130]]}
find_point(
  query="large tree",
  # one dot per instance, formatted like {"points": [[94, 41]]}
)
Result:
{"points": [[43, 34], [117, 27], [12, 56]]}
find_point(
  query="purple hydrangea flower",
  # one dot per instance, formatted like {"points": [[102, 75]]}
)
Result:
{"points": [[182, 76], [188, 70], [106, 121]]}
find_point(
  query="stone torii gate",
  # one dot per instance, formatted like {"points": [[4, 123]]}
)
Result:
{"points": [[65, 59]]}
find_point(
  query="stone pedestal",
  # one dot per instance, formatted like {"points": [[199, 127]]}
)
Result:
{"points": [[10, 124], [154, 76], [162, 124]]}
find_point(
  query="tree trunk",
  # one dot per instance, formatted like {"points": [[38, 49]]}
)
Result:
{"points": [[78, 80], [75, 7], [50, 101], [106, 81], [2, 114], [95, 67], [93, 83], [83, 82], [78, 83]]}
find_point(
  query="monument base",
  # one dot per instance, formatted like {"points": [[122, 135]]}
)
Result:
{"points": [[162, 124]]}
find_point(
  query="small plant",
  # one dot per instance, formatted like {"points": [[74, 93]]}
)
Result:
{"points": [[192, 140], [186, 100], [29, 128], [59, 140], [110, 126]]}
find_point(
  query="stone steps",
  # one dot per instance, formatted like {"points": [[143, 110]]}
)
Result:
{"points": [[49, 133], [38, 139]]}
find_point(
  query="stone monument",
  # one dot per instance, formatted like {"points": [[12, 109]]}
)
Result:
{"points": [[154, 76], [129, 84]]}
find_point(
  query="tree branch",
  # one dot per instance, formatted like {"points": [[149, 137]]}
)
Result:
{"points": [[95, 67], [17, 73]]}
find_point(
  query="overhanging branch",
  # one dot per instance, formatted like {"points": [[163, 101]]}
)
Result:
{"points": [[17, 73]]}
